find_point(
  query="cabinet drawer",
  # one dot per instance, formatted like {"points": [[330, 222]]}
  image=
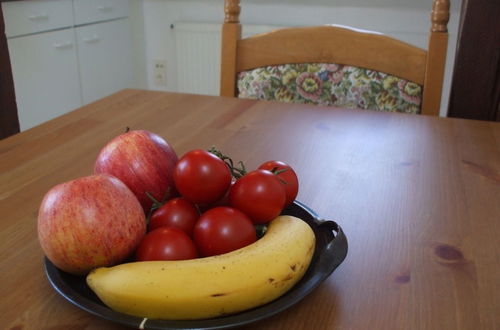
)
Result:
{"points": [[89, 11], [24, 17]]}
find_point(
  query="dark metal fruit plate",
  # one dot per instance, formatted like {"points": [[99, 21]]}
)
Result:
{"points": [[331, 250]]}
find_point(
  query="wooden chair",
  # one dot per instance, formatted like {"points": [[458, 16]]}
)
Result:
{"points": [[415, 73]]}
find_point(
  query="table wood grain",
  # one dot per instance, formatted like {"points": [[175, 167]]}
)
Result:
{"points": [[418, 198]]}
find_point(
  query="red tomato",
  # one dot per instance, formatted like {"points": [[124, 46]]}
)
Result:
{"points": [[178, 212], [258, 194], [223, 229], [287, 177], [166, 243], [201, 177], [224, 201]]}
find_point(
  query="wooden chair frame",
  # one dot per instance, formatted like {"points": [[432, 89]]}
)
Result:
{"points": [[345, 45]]}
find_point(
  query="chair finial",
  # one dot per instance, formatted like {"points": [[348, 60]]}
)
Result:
{"points": [[440, 15], [232, 11]]}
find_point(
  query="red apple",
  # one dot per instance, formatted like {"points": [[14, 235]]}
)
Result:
{"points": [[90, 222], [143, 161]]}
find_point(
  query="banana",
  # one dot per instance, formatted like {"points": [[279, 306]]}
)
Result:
{"points": [[212, 286]]}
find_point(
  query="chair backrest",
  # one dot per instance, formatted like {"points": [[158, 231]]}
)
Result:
{"points": [[329, 50]]}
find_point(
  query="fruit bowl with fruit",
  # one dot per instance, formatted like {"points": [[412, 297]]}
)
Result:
{"points": [[150, 240]]}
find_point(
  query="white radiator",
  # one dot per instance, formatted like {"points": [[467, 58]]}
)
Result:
{"points": [[198, 55]]}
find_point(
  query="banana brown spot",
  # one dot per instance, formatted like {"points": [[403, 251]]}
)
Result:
{"points": [[292, 267], [218, 295], [270, 280]]}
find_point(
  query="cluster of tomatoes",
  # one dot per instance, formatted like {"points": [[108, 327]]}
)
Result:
{"points": [[219, 208]]}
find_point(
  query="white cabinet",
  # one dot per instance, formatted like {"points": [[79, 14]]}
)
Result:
{"points": [[66, 53], [104, 55], [46, 81]]}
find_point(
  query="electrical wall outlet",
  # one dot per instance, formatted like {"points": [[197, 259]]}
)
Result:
{"points": [[160, 72]]}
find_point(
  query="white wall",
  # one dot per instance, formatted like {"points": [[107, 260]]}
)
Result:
{"points": [[408, 20]]}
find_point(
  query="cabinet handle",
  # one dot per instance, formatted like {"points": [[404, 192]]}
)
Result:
{"points": [[63, 45], [38, 17], [105, 8], [94, 38]]}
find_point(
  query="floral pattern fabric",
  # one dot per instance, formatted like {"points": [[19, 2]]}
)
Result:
{"points": [[331, 84]]}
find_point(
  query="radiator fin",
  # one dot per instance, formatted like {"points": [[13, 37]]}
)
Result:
{"points": [[198, 55]]}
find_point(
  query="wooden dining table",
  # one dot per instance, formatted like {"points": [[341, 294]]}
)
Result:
{"points": [[418, 198]]}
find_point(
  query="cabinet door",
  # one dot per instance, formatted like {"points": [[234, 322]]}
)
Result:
{"points": [[105, 57], [45, 73]]}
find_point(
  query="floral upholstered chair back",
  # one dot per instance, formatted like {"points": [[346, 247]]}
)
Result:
{"points": [[335, 65], [332, 85]]}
